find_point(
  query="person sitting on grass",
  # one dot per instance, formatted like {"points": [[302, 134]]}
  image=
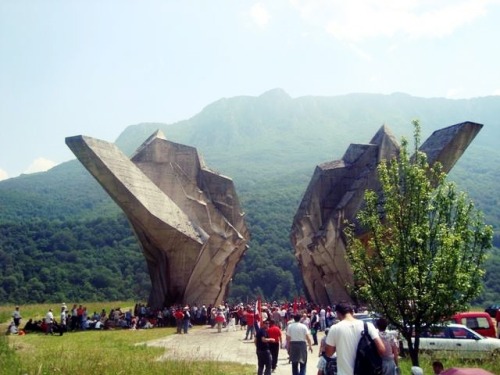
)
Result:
{"points": [[11, 329]]}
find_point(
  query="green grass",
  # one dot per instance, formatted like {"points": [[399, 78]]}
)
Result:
{"points": [[95, 352], [119, 351], [38, 311]]}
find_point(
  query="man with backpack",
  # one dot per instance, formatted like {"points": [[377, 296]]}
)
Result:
{"points": [[343, 338]]}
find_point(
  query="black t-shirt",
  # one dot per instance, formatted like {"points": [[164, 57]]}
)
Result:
{"points": [[262, 332]]}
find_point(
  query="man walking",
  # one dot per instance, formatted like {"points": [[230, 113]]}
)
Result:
{"points": [[262, 341], [49, 321], [274, 332], [297, 336], [343, 339]]}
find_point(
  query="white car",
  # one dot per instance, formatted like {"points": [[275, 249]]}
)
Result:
{"points": [[459, 339]]}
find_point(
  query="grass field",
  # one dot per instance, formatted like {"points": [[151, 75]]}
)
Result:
{"points": [[116, 351], [94, 352]]}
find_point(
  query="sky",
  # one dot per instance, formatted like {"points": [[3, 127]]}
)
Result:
{"points": [[94, 67]]}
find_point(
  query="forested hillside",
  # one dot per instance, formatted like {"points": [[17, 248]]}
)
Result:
{"points": [[62, 238]]}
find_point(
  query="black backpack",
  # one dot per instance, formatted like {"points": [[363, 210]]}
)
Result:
{"points": [[368, 361], [331, 365]]}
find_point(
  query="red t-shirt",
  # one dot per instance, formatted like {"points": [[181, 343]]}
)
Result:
{"points": [[274, 332], [250, 318]]}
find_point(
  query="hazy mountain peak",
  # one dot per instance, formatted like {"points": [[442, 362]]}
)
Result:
{"points": [[276, 93]]}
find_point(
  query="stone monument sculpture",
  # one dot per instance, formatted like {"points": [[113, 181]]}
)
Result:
{"points": [[186, 217], [335, 193]]}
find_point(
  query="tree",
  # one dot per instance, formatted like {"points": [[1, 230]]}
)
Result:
{"points": [[421, 260]]}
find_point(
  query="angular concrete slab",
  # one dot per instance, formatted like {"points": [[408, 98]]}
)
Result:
{"points": [[336, 192], [186, 217]]}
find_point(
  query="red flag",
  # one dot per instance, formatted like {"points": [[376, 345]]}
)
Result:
{"points": [[258, 312]]}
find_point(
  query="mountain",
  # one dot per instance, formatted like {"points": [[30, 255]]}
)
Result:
{"points": [[56, 223]]}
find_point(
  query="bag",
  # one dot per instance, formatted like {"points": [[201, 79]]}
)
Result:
{"points": [[331, 366], [368, 361]]}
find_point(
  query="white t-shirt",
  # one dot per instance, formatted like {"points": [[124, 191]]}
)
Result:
{"points": [[63, 318], [344, 336], [297, 331], [49, 317]]}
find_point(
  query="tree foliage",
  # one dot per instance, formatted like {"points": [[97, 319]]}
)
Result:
{"points": [[423, 259]]}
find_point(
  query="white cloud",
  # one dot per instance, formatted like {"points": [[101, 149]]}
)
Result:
{"points": [[360, 52], [3, 175], [260, 15], [40, 165], [358, 20], [496, 92], [454, 93]]}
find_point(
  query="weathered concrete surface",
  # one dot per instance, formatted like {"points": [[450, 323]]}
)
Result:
{"points": [[187, 218], [203, 343], [336, 192]]}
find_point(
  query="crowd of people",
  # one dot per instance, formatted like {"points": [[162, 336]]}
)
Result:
{"points": [[78, 318], [272, 326]]}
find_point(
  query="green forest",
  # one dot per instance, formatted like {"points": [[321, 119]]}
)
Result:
{"points": [[63, 239]]}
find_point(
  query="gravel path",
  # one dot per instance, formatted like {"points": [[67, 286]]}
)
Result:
{"points": [[205, 343]]}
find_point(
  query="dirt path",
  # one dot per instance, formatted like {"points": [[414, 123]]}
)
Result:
{"points": [[205, 343]]}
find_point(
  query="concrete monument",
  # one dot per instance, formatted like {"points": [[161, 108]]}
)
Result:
{"points": [[186, 217], [336, 192]]}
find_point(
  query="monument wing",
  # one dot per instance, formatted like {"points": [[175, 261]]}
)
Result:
{"points": [[190, 247], [335, 194]]}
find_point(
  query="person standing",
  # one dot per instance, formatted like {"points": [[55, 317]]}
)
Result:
{"points": [[74, 317], [250, 317], [297, 336], [186, 320], [330, 316], [262, 341], [178, 315], [315, 326], [274, 332], [322, 319], [391, 354], [16, 315], [343, 339], [49, 321], [63, 318], [79, 317], [276, 316], [220, 319]]}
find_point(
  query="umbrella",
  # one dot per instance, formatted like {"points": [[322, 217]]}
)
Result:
{"points": [[466, 371]]}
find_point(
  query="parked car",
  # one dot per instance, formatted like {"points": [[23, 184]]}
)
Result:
{"points": [[390, 328], [478, 321], [457, 338], [492, 309]]}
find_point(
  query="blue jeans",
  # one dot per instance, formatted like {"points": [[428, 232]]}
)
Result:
{"points": [[251, 331], [185, 325], [264, 361], [295, 368]]}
